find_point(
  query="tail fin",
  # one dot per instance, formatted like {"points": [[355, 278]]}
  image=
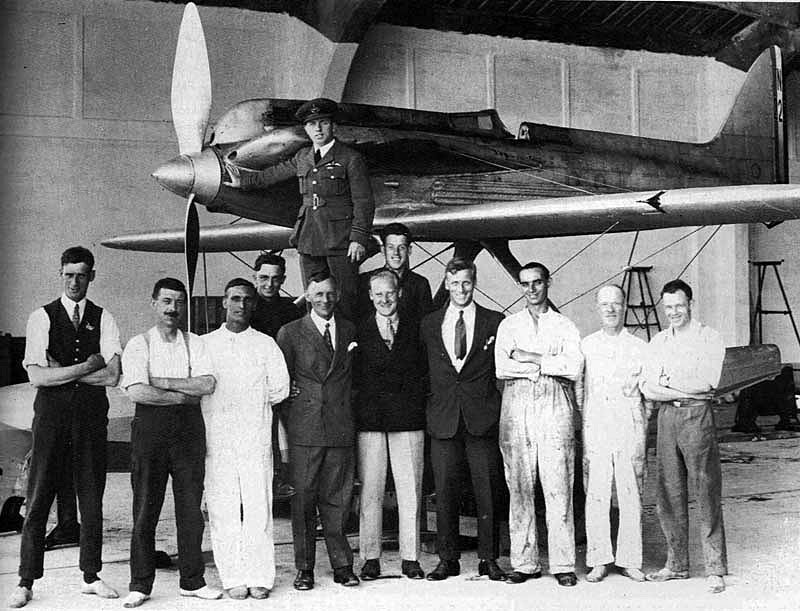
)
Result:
{"points": [[752, 142]]}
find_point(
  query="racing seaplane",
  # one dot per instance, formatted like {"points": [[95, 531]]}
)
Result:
{"points": [[462, 178]]}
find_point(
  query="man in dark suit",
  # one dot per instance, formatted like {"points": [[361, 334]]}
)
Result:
{"points": [[389, 373], [463, 415], [415, 291], [334, 224], [272, 311], [318, 351]]}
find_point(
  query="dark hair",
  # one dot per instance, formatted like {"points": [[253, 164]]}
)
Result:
{"points": [[239, 282], [673, 286], [396, 229], [459, 264], [536, 265], [171, 284], [269, 258], [77, 254], [383, 272], [321, 277]]}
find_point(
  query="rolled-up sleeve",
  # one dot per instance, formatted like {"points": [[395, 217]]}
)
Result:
{"points": [[134, 363], [37, 333], [109, 337]]}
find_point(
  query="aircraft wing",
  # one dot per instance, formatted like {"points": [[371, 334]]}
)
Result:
{"points": [[523, 219]]}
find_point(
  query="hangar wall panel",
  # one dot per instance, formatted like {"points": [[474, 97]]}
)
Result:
{"points": [[670, 105], [461, 86], [532, 88]]}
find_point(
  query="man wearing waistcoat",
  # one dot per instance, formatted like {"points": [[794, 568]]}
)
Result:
{"points": [[71, 354], [334, 224], [463, 413]]}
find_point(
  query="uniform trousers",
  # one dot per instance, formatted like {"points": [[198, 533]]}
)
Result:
{"points": [[345, 272], [537, 434], [69, 434], [323, 480], [167, 441], [404, 451], [448, 458], [687, 454]]}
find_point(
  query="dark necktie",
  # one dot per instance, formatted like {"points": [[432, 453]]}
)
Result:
{"points": [[389, 334], [76, 317], [317, 157], [461, 337], [327, 336]]}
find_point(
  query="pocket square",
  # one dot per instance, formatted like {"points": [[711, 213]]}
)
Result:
{"points": [[352, 346]]}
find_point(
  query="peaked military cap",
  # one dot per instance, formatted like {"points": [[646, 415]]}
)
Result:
{"points": [[320, 108]]}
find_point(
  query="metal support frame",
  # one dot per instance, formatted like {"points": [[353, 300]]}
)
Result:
{"points": [[757, 325], [644, 313]]}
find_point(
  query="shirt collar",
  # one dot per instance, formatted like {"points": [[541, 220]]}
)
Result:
{"points": [[453, 310], [323, 150], [69, 305], [384, 320], [320, 322]]}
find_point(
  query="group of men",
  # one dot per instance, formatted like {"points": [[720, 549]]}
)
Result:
{"points": [[355, 382]]}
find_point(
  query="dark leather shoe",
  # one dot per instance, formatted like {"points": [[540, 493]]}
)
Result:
{"points": [[62, 537], [445, 569], [412, 569], [371, 569], [566, 579], [491, 570], [346, 576], [520, 577], [304, 580]]}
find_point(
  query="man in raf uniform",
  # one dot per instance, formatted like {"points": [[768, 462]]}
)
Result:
{"points": [[71, 355], [334, 224], [415, 293], [272, 311]]}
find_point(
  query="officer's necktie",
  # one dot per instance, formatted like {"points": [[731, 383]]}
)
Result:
{"points": [[76, 317], [389, 334], [317, 157], [327, 336], [461, 336]]}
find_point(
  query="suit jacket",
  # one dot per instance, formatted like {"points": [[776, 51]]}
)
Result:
{"points": [[471, 393], [415, 299], [391, 384], [338, 206], [322, 414]]}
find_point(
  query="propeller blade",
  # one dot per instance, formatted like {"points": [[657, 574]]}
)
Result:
{"points": [[191, 250], [191, 84]]}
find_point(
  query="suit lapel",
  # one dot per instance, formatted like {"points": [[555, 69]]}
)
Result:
{"points": [[439, 339], [329, 156], [340, 349], [315, 337], [478, 334]]}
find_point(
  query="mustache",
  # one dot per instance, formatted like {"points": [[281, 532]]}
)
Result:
{"points": [[172, 314]]}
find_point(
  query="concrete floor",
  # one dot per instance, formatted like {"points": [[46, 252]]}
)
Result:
{"points": [[762, 516]]}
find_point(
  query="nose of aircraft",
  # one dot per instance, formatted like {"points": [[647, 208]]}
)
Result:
{"points": [[199, 173]]}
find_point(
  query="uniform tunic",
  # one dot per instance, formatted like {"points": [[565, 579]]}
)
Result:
{"points": [[537, 429], [251, 377], [614, 432], [687, 450]]}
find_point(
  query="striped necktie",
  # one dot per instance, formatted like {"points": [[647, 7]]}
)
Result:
{"points": [[327, 336], [76, 317]]}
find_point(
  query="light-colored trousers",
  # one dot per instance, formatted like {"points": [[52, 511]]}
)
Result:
{"points": [[239, 500], [625, 471], [536, 429], [405, 451]]}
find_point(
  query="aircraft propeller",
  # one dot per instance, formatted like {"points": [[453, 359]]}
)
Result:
{"points": [[191, 106]]}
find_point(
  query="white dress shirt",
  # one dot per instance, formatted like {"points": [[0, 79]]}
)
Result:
{"points": [[320, 323], [557, 339], [37, 333], [383, 327], [449, 331]]}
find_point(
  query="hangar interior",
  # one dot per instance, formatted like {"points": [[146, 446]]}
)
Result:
{"points": [[85, 118]]}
